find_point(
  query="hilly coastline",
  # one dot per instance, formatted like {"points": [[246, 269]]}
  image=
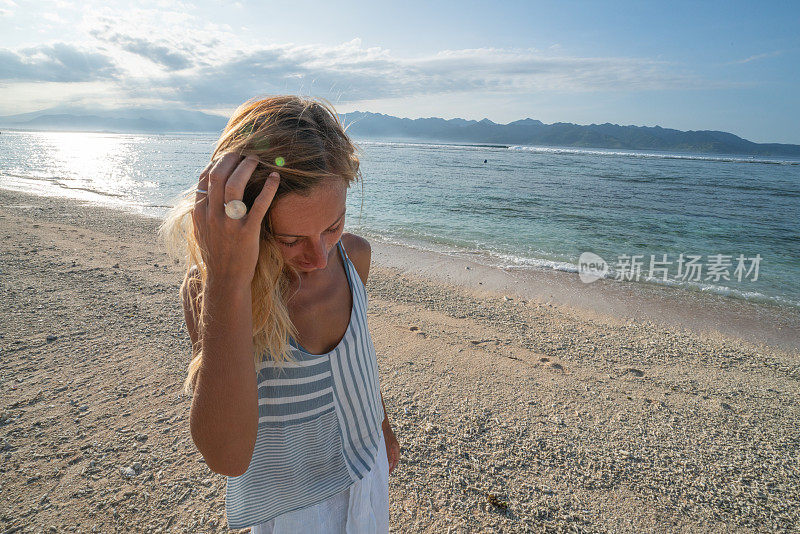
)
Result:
{"points": [[536, 133], [379, 126]]}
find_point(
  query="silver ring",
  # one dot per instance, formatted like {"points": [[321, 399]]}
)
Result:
{"points": [[235, 209], [202, 191]]}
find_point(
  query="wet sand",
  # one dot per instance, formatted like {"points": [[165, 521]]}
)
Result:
{"points": [[761, 323]]}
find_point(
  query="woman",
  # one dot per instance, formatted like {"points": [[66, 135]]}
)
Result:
{"points": [[286, 399]]}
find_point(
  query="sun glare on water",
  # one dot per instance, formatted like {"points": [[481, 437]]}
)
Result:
{"points": [[86, 166], [95, 164]]}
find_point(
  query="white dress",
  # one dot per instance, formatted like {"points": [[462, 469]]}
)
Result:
{"points": [[363, 508]]}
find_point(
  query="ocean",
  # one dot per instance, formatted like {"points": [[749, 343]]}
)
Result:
{"points": [[728, 225]]}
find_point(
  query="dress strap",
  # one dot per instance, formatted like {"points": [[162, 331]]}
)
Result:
{"points": [[346, 262]]}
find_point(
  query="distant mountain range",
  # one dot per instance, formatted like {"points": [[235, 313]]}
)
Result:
{"points": [[561, 134], [122, 120], [379, 126]]}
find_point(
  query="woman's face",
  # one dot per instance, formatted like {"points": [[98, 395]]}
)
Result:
{"points": [[307, 227]]}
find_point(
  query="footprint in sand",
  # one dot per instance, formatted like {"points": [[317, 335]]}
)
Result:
{"points": [[418, 331], [482, 341], [552, 365]]}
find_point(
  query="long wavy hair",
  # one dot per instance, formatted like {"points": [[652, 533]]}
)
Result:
{"points": [[302, 139]]}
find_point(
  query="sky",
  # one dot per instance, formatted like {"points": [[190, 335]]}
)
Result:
{"points": [[731, 66]]}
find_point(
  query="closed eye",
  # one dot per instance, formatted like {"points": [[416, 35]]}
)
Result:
{"points": [[297, 241]]}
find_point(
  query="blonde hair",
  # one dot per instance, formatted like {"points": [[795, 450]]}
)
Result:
{"points": [[302, 139]]}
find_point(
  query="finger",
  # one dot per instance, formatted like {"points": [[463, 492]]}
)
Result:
{"points": [[217, 177], [199, 211], [198, 227], [263, 200], [234, 187], [203, 184], [200, 203]]}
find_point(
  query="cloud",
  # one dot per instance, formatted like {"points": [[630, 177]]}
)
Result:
{"points": [[207, 68], [530, 70], [158, 53], [7, 4], [183, 41], [57, 62], [350, 72], [53, 17], [173, 54], [756, 57]]}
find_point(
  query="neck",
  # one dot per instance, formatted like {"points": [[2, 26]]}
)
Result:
{"points": [[317, 276], [307, 280]]}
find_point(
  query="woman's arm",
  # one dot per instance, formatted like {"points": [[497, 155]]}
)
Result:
{"points": [[224, 413], [385, 423]]}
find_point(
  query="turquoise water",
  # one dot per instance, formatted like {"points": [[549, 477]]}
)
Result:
{"points": [[524, 208]]}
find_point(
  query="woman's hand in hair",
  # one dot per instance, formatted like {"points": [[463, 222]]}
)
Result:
{"points": [[230, 246]]}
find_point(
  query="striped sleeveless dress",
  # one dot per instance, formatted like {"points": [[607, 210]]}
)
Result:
{"points": [[319, 425]]}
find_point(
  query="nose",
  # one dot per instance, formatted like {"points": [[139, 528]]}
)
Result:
{"points": [[319, 256]]}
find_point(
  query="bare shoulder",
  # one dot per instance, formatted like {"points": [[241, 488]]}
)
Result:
{"points": [[360, 253]]}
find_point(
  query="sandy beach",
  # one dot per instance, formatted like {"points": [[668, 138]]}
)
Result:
{"points": [[522, 403]]}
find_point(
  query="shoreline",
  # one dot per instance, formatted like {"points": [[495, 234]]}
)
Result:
{"points": [[761, 323], [512, 415], [758, 323]]}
